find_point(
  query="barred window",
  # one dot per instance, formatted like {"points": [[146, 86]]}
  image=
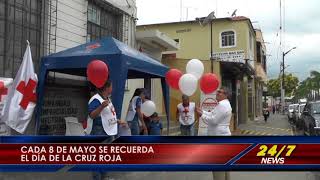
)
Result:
{"points": [[103, 21], [93, 14], [21, 20], [227, 38]]}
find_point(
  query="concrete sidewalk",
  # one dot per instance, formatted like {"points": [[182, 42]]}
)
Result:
{"points": [[276, 124]]}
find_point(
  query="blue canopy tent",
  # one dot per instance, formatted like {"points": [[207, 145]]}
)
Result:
{"points": [[123, 61]]}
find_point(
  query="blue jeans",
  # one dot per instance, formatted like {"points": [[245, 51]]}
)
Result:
{"points": [[96, 131], [187, 130], [134, 127], [99, 131]]}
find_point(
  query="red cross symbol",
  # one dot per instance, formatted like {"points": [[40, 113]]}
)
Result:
{"points": [[3, 90], [27, 92], [186, 110]]}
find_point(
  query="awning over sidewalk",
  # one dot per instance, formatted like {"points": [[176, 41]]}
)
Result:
{"points": [[237, 69], [123, 61]]}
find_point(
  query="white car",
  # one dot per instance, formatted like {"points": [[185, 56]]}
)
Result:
{"points": [[298, 121], [291, 110], [301, 107]]}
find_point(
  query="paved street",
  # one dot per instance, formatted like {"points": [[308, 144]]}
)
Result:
{"points": [[276, 125]]}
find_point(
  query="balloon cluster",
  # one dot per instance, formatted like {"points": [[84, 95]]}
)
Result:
{"points": [[187, 83]]}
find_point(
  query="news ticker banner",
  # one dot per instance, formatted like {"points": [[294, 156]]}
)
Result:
{"points": [[159, 153]]}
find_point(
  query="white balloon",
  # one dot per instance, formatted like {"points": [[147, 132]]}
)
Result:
{"points": [[195, 67], [188, 84], [148, 108]]}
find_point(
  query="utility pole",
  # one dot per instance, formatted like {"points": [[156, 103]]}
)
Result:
{"points": [[282, 82], [180, 10], [211, 51], [282, 85]]}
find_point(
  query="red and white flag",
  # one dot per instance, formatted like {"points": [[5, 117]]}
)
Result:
{"points": [[21, 99], [5, 83]]}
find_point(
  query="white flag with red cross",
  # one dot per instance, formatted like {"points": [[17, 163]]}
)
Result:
{"points": [[5, 84], [21, 99]]}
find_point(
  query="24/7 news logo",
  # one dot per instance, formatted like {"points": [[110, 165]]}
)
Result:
{"points": [[275, 154]]}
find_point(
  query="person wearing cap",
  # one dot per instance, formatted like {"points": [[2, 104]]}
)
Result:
{"points": [[219, 119], [134, 115], [185, 115]]}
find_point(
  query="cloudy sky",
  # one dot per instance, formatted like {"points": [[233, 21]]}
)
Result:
{"points": [[302, 25]]}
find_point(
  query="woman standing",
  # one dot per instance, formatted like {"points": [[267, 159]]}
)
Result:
{"points": [[134, 115], [102, 118]]}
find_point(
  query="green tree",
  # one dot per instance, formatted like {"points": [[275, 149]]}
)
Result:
{"points": [[315, 78], [303, 89], [290, 84], [312, 83], [274, 87]]}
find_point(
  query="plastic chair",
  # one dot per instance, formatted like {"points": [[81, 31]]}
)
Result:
{"points": [[73, 127]]}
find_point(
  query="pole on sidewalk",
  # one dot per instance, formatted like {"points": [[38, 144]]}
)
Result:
{"points": [[283, 85]]}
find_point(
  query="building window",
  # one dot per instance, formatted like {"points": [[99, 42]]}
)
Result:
{"points": [[250, 41], [103, 21], [258, 52], [94, 14], [228, 39], [19, 21], [264, 63]]}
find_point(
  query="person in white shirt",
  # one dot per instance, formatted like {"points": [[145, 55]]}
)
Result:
{"points": [[218, 120], [102, 118], [185, 115]]}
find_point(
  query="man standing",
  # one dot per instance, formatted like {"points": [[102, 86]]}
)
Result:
{"points": [[219, 119], [273, 109], [218, 122], [185, 115], [266, 114]]}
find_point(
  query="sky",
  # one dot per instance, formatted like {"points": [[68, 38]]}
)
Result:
{"points": [[301, 26]]}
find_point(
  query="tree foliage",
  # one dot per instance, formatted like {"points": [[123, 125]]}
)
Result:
{"points": [[290, 84], [310, 87]]}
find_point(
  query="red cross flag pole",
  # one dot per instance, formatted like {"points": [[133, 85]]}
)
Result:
{"points": [[17, 111]]}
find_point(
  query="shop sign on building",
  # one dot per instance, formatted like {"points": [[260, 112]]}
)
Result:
{"points": [[230, 56]]}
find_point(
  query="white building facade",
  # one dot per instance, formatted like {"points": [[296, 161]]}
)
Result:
{"points": [[55, 25]]}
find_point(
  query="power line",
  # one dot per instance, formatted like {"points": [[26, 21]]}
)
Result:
{"points": [[273, 43], [284, 24], [280, 25]]}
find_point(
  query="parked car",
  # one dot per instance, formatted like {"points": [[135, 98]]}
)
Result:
{"points": [[291, 111], [311, 118], [295, 114], [298, 119]]}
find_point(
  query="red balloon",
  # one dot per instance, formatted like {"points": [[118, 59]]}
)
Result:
{"points": [[172, 77], [97, 72], [209, 83]]}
